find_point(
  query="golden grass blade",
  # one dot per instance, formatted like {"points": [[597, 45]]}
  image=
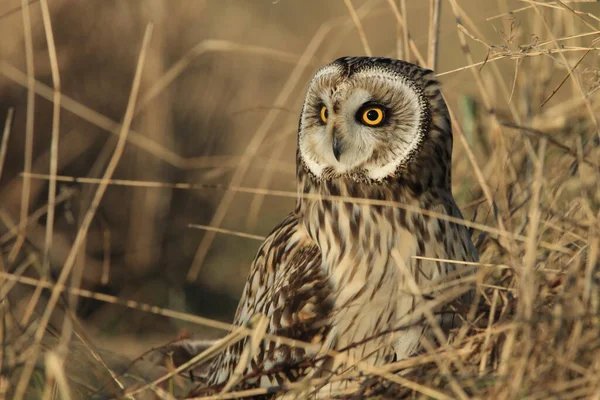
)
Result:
{"points": [[55, 370], [527, 283], [405, 34], [5, 136], [28, 150], [359, 27], [227, 231], [435, 12], [55, 132], [486, 343]]}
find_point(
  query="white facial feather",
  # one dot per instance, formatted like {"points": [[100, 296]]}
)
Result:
{"points": [[360, 141]]}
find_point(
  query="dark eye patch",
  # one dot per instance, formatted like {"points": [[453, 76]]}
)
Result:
{"points": [[372, 114]]}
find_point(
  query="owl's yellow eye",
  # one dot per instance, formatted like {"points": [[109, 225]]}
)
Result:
{"points": [[372, 116], [324, 114]]}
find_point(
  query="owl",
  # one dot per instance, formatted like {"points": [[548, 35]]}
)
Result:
{"points": [[351, 269]]}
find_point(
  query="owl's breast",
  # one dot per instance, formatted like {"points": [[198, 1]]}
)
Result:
{"points": [[382, 263]]}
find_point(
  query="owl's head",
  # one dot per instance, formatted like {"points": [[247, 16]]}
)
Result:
{"points": [[370, 119]]}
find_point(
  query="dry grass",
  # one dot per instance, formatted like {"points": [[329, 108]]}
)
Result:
{"points": [[126, 224]]}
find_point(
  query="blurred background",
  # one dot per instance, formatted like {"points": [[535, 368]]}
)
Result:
{"points": [[218, 105]]}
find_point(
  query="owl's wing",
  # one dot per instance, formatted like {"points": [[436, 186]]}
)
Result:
{"points": [[287, 285], [455, 244]]}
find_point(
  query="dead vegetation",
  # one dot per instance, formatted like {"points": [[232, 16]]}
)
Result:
{"points": [[125, 122]]}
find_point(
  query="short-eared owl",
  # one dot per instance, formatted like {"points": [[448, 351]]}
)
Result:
{"points": [[352, 267]]}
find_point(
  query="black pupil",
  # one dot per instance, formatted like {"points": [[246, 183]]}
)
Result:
{"points": [[372, 115], [326, 113]]}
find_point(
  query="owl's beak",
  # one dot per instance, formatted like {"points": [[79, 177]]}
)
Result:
{"points": [[337, 145], [337, 148]]}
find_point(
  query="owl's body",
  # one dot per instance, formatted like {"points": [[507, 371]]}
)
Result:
{"points": [[374, 148]]}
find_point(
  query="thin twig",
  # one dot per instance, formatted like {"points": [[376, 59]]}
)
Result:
{"points": [[564, 79]]}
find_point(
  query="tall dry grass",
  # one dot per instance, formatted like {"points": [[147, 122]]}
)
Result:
{"points": [[148, 146]]}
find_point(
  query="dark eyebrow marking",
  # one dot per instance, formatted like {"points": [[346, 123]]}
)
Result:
{"points": [[336, 106]]}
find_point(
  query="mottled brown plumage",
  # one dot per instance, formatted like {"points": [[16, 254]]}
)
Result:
{"points": [[338, 273]]}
